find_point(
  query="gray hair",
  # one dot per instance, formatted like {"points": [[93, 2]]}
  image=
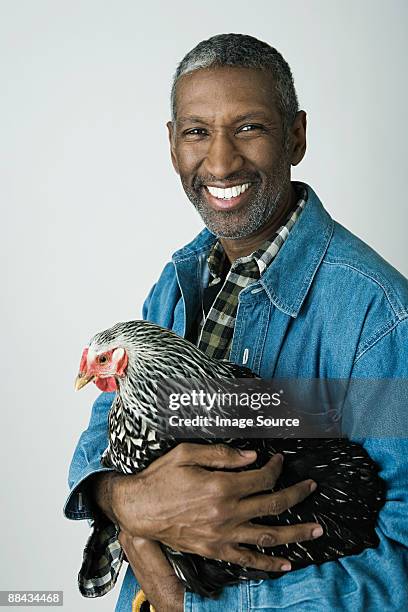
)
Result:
{"points": [[248, 52]]}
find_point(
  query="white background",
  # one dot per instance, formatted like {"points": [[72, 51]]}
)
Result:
{"points": [[91, 208]]}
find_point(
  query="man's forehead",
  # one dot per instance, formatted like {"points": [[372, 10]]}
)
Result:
{"points": [[245, 93]]}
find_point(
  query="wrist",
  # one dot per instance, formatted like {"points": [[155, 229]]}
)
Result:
{"points": [[115, 486], [103, 488], [125, 501], [174, 603]]}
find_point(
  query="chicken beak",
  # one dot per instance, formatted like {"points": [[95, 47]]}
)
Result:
{"points": [[81, 380]]}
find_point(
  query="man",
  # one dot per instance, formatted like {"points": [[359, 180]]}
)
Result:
{"points": [[273, 283]]}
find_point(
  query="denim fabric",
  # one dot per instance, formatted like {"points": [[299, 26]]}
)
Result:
{"points": [[327, 307]]}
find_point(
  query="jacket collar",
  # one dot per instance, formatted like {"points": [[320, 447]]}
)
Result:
{"points": [[288, 278]]}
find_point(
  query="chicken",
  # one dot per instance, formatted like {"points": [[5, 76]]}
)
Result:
{"points": [[130, 358]]}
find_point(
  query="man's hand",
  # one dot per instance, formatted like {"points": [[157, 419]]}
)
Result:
{"points": [[154, 573], [177, 500]]}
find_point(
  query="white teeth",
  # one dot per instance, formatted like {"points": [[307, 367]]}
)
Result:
{"points": [[230, 192]]}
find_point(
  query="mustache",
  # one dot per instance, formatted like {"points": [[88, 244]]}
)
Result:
{"points": [[200, 181]]}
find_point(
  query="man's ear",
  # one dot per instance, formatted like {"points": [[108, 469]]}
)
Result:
{"points": [[170, 129], [298, 137]]}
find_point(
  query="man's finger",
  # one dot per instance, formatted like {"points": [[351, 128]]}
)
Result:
{"points": [[217, 456], [264, 536], [275, 503], [251, 559], [260, 480]]}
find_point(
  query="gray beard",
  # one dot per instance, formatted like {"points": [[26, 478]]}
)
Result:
{"points": [[264, 201]]}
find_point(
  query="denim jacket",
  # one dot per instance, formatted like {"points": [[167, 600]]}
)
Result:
{"points": [[328, 306]]}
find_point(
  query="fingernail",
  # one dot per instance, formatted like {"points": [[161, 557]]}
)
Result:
{"points": [[247, 453], [317, 532], [286, 567], [312, 486], [279, 458]]}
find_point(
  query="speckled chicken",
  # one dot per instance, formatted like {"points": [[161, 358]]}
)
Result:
{"points": [[131, 358]]}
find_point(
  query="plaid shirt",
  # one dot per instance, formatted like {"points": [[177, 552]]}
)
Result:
{"points": [[217, 326]]}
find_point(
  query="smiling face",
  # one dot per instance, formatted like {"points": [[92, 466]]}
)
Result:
{"points": [[229, 148]]}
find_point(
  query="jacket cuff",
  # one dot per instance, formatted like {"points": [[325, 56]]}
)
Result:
{"points": [[79, 504]]}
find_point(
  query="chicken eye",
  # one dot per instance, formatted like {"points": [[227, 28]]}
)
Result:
{"points": [[102, 359]]}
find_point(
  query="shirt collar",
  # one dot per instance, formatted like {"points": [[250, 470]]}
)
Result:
{"points": [[289, 277]]}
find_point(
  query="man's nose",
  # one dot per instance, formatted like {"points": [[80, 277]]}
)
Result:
{"points": [[223, 158]]}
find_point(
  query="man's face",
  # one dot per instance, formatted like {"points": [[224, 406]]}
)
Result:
{"points": [[228, 133]]}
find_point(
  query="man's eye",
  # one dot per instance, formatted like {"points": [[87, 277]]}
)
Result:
{"points": [[195, 132], [250, 128]]}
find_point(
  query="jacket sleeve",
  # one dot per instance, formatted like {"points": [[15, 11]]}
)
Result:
{"points": [[387, 363], [86, 460], [380, 574]]}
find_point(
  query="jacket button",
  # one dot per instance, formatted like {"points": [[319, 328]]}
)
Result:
{"points": [[245, 356]]}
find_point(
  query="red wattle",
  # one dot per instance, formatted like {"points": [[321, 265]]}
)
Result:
{"points": [[106, 384]]}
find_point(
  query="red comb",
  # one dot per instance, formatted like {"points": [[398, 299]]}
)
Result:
{"points": [[82, 365]]}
